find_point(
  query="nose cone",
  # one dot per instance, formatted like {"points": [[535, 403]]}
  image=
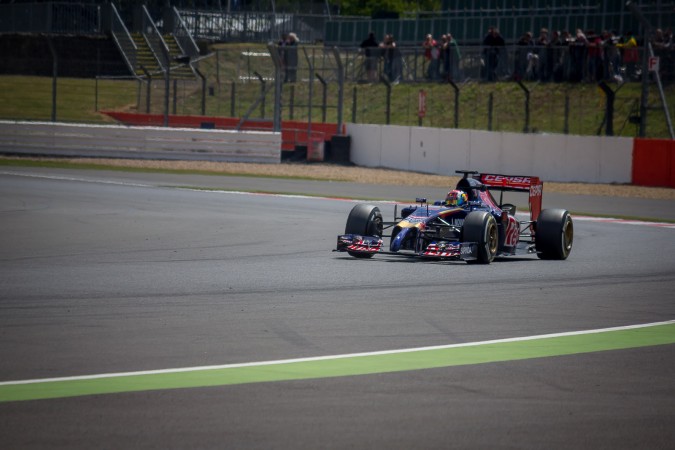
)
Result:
{"points": [[397, 241]]}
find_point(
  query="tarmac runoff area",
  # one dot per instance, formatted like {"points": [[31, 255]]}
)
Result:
{"points": [[139, 332]]}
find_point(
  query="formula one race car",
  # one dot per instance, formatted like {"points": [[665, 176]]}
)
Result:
{"points": [[469, 225]]}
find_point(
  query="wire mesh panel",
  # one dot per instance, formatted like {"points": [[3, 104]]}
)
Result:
{"points": [[239, 81], [51, 17]]}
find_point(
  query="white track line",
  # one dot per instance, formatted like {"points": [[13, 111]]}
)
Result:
{"points": [[334, 357], [82, 180]]}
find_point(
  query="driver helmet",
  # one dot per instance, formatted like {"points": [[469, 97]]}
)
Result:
{"points": [[456, 198]]}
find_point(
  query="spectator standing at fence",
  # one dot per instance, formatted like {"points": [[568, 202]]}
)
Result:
{"points": [[578, 48], [291, 52], [612, 58], [542, 44], [282, 55], [502, 55], [568, 40], [451, 56], [392, 59], [445, 61], [668, 66], [595, 56], [659, 41], [493, 44], [524, 48], [432, 54], [557, 53], [370, 53], [662, 46], [629, 54]]}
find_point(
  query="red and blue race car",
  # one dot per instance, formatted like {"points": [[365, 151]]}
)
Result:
{"points": [[470, 225]]}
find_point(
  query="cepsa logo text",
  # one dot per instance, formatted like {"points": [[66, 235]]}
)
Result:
{"points": [[501, 179]]}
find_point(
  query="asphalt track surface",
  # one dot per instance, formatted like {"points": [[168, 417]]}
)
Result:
{"points": [[106, 272]]}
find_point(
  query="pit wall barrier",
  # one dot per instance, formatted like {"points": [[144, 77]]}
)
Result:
{"points": [[654, 162], [58, 139], [561, 158]]}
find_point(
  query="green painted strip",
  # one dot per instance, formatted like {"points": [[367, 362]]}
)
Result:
{"points": [[480, 353]]}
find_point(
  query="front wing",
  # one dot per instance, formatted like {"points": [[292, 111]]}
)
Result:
{"points": [[353, 243]]}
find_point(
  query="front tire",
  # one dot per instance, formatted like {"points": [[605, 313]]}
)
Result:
{"points": [[554, 234], [481, 227], [364, 220]]}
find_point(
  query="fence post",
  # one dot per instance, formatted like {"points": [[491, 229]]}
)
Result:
{"points": [[233, 101], [644, 100], [454, 86], [490, 105], [324, 97], [274, 54], [566, 125], [421, 106], [167, 87], [201, 75], [386, 82], [526, 128], [55, 72], [310, 102], [609, 108], [148, 89], [341, 88], [175, 95], [218, 66], [354, 105], [262, 93]]}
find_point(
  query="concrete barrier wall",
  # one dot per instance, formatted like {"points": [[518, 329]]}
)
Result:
{"points": [[139, 142], [561, 158]]}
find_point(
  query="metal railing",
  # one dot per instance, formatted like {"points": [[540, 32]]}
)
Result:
{"points": [[477, 63], [51, 18], [123, 39], [252, 27], [182, 35], [467, 21], [155, 40], [340, 91]]}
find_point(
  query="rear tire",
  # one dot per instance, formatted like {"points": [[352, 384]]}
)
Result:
{"points": [[364, 220], [554, 234], [481, 227]]}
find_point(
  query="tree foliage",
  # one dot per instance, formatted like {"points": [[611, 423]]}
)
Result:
{"points": [[370, 7]]}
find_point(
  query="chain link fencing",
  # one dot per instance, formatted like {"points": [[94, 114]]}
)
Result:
{"points": [[240, 80]]}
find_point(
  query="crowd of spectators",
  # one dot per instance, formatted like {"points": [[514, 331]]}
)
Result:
{"points": [[551, 56], [582, 56], [443, 58]]}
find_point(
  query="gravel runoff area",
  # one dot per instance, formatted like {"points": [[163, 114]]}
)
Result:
{"points": [[334, 172]]}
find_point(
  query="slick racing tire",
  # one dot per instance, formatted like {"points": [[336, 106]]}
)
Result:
{"points": [[364, 220], [481, 227], [554, 234]]}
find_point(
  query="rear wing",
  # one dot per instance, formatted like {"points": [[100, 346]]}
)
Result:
{"points": [[516, 183]]}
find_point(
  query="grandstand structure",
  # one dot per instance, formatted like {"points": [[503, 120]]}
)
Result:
{"points": [[469, 20], [147, 46]]}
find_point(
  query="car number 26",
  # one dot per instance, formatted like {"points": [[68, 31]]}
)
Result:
{"points": [[512, 233]]}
